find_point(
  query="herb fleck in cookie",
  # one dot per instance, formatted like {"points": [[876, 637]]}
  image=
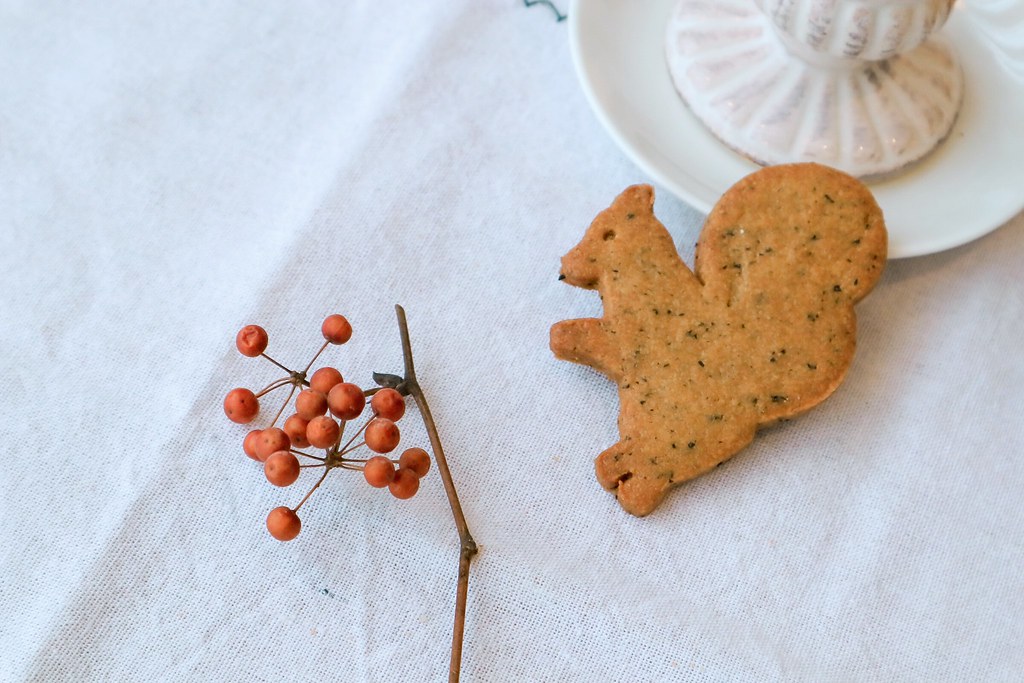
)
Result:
{"points": [[763, 330]]}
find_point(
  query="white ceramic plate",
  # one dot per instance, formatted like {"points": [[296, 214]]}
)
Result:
{"points": [[968, 187]]}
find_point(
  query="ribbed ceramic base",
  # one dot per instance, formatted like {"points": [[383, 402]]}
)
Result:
{"points": [[865, 118]]}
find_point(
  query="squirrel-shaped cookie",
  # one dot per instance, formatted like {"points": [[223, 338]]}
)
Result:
{"points": [[763, 329]]}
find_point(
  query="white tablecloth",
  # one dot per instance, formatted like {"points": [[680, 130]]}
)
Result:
{"points": [[172, 171]]}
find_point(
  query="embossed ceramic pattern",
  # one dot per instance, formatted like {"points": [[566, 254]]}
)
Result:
{"points": [[856, 29], [860, 85]]}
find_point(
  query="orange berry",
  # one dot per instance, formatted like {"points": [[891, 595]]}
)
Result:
{"points": [[405, 484], [322, 432], [310, 403], [346, 401], [271, 440], [382, 435], [415, 459], [379, 471], [281, 468], [295, 428], [324, 379], [283, 524], [251, 340], [388, 403], [336, 329], [249, 444], [241, 406]]}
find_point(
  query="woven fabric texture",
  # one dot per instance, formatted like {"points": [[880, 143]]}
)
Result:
{"points": [[172, 171]]}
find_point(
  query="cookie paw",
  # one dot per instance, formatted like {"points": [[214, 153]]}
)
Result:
{"points": [[640, 495]]}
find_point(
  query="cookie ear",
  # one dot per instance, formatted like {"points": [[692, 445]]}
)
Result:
{"points": [[632, 215], [638, 199]]}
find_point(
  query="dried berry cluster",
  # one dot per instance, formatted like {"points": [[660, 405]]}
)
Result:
{"points": [[324, 405]]}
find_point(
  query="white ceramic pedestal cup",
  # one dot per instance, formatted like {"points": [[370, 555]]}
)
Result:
{"points": [[861, 85]]}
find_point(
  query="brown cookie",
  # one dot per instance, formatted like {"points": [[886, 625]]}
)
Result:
{"points": [[763, 331]]}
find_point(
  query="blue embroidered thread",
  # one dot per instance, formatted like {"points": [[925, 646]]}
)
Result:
{"points": [[558, 15]]}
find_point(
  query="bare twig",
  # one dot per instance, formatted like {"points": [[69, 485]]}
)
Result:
{"points": [[467, 546], [335, 458]]}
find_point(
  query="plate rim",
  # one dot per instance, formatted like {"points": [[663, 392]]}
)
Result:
{"points": [[991, 220]]}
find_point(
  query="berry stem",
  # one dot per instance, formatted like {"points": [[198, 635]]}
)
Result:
{"points": [[283, 405], [277, 364], [467, 546], [315, 356], [315, 487], [349, 450], [276, 384], [348, 447], [307, 455], [393, 461]]}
